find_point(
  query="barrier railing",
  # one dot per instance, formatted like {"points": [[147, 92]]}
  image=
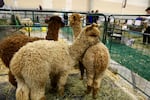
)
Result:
{"points": [[125, 42], [38, 16]]}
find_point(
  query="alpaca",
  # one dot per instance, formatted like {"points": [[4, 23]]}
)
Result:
{"points": [[95, 60], [26, 21], [35, 62], [52, 33], [23, 21], [8, 47], [75, 23]]}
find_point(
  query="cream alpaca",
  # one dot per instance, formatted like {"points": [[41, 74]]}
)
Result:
{"points": [[95, 60], [34, 62], [75, 23]]}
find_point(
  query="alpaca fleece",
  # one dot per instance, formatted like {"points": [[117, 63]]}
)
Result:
{"points": [[54, 24], [95, 61], [9, 46], [12, 44], [75, 23], [34, 62]]}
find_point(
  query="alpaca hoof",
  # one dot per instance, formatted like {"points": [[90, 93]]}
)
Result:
{"points": [[95, 91], [61, 92], [87, 92], [94, 96], [89, 88], [81, 78], [43, 98]]}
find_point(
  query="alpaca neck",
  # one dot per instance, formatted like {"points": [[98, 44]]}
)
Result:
{"points": [[77, 49], [76, 29], [52, 33]]}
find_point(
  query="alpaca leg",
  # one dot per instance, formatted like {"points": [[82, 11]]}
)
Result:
{"points": [[36, 78], [54, 81], [81, 67], [12, 79], [96, 83], [62, 82], [90, 76], [37, 87], [22, 92], [96, 86], [37, 93]]}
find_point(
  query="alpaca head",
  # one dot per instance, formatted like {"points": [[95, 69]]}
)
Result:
{"points": [[90, 34], [75, 19], [56, 20], [54, 24]]}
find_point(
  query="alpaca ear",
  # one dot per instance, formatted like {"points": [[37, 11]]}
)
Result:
{"points": [[91, 26], [94, 32], [94, 25], [81, 17]]}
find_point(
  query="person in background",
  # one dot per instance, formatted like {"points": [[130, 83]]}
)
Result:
{"points": [[87, 18], [39, 15], [96, 17], [2, 3], [66, 18], [40, 7], [146, 35], [139, 18], [91, 17]]}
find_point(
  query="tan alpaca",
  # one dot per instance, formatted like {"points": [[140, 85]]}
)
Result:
{"points": [[95, 61], [34, 62], [75, 23], [10, 45]]}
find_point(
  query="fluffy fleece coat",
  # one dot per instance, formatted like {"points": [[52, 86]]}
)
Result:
{"points": [[8, 47], [34, 62], [11, 44], [95, 61]]}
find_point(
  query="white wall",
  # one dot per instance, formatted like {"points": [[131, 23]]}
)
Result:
{"points": [[115, 6], [47, 4], [104, 6]]}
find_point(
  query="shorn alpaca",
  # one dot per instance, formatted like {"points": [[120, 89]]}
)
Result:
{"points": [[34, 62], [52, 33], [95, 61], [11, 44]]}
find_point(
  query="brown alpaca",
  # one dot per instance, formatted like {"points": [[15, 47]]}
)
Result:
{"points": [[9, 46], [95, 61], [54, 24]]}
